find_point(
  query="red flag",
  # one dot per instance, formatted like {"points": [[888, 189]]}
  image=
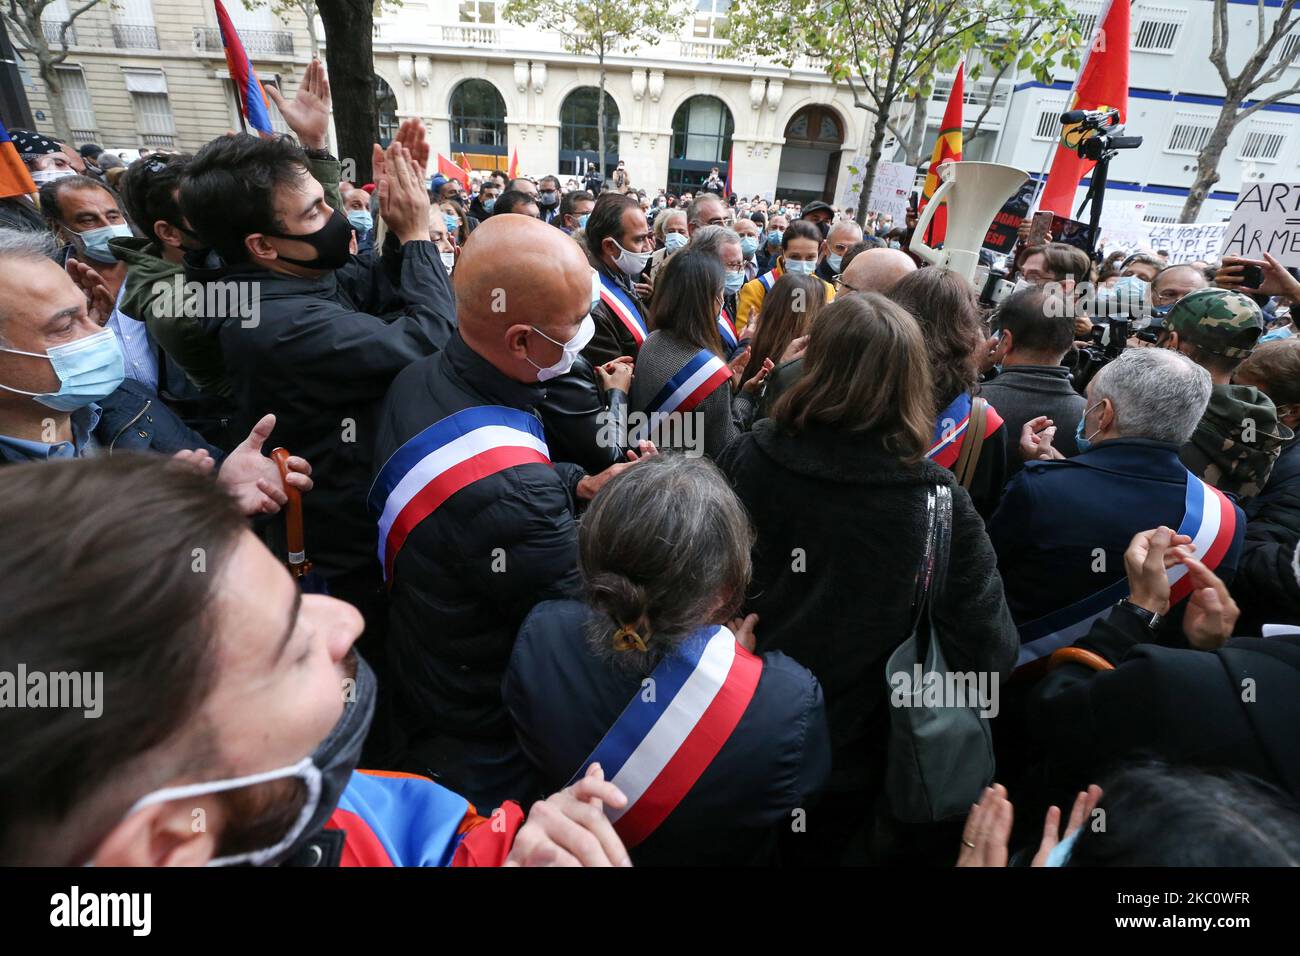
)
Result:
{"points": [[946, 148], [514, 165], [1102, 85], [462, 161], [449, 169]]}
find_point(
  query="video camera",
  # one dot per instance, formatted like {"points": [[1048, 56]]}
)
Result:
{"points": [[1107, 341]]}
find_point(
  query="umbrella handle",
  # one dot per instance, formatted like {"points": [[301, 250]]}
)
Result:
{"points": [[298, 563]]}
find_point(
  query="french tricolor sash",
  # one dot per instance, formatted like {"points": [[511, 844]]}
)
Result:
{"points": [[444, 458], [623, 308], [1209, 519], [950, 429], [769, 278], [730, 337], [697, 380], [659, 747]]}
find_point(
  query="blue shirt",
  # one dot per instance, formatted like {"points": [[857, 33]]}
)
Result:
{"points": [[83, 422], [136, 345]]}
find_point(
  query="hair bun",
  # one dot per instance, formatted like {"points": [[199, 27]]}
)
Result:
{"points": [[622, 599]]}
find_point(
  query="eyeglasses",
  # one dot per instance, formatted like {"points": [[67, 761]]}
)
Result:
{"points": [[841, 285]]}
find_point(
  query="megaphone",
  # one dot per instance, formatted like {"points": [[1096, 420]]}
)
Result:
{"points": [[975, 193]]}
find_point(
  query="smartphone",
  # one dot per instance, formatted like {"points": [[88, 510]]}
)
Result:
{"points": [[1252, 276]]}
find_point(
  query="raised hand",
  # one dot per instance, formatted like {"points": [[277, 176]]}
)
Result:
{"points": [[308, 113], [99, 301], [1084, 804], [988, 829], [254, 479], [403, 198], [411, 134]]}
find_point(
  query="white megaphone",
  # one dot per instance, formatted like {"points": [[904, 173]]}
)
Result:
{"points": [[975, 193]]}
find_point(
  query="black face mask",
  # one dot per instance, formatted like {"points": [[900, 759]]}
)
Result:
{"points": [[331, 242]]}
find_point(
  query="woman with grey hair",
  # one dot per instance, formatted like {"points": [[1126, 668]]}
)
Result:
{"points": [[652, 676]]}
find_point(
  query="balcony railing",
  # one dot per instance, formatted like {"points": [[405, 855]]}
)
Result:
{"points": [[256, 42], [158, 139], [51, 31], [703, 49], [472, 34], [84, 136], [131, 36]]}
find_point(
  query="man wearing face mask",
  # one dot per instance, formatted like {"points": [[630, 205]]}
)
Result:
{"points": [[575, 207], [356, 206], [228, 697], [619, 245], [842, 237], [476, 520], [769, 245], [328, 331], [548, 199], [43, 161], [748, 231]]}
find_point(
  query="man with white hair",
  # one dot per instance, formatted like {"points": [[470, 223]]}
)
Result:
{"points": [[1063, 524]]}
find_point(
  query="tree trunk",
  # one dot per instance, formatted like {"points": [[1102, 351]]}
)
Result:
{"points": [[600, 119], [54, 96], [916, 133], [349, 58], [869, 178], [309, 9], [1207, 164]]}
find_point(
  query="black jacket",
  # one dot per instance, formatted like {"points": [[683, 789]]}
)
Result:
{"points": [[320, 356], [1266, 585], [612, 339], [777, 757], [841, 527], [1022, 393], [1237, 707], [584, 425], [469, 572]]}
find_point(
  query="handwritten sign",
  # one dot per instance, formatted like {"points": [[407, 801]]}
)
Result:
{"points": [[893, 184], [1189, 241], [1266, 219]]}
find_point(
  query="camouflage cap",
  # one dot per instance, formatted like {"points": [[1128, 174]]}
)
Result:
{"points": [[1221, 321]]}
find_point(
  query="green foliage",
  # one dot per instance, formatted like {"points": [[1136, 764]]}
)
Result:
{"points": [[597, 29]]}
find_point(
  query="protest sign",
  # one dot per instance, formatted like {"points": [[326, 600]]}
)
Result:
{"points": [[1266, 219], [1188, 241], [1001, 237], [893, 184]]}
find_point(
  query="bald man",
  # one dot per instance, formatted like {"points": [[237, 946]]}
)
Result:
{"points": [[476, 523], [874, 270]]}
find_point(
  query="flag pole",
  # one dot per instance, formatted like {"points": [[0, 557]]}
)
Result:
{"points": [[1069, 104]]}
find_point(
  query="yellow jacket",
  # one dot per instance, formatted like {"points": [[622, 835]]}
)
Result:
{"points": [[753, 292]]}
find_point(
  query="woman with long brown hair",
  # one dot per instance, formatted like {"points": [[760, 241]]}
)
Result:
{"points": [[947, 308], [789, 310], [836, 483]]}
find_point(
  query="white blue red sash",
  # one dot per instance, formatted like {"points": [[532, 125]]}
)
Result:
{"points": [[1209, 519], [730, 337], [444, 458], [951, 426], [675, 725], [769, 278], [697, 380], [624, 309]]}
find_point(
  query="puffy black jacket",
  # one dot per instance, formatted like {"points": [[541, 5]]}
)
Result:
{"points": [[841, 527], [320, 354], [774, 761], [584, 425], [1266, 586], [469, 573]]}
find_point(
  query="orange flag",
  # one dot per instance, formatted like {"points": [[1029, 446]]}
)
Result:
{"points": [[1102, 85], [14, 178], [947, 147]]}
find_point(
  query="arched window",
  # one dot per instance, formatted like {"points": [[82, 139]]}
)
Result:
{"points": [[810, 158], [386, 110], [702, 128], [579, 142], [478, 120]]}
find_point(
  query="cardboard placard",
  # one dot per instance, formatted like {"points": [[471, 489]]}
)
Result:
{"points": [[1266, 219]]}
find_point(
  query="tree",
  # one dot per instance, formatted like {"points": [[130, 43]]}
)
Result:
{"points": [[24, 19], [595, 28], [1254, 75], [283, 9], [888, 52], [349, 56]]}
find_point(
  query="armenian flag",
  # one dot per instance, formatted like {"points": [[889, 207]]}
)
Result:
{"points": [[1102, 85], [14, 178], [254, 107], [948, 147]]}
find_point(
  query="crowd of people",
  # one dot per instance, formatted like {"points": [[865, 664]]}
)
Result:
{"points": [[610, 516]]}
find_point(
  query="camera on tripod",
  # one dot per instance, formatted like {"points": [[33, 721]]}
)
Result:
{"points": [[1105, 127]]}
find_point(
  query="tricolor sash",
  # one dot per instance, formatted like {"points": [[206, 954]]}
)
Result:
{"points": [[444, 458], [613, 295], [1209, 519], [950, 429], [730, 337], [659, 748], [698, 379], [769, 278]]}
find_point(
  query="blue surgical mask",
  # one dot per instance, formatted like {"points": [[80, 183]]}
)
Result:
{"points": [[801, 268], [1081, 441], [95, 241], [451, 222], [582, 220], [489, 203], [774, 237], [361, 220], [834, 262], [734, 281], [89, 370], [674, 241], [748, 246]]}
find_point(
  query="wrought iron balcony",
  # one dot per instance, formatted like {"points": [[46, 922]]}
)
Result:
{"points": [[131, 36], [256, 42]]}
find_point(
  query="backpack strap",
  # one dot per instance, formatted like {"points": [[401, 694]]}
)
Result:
{"points": [[972, 442]]}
